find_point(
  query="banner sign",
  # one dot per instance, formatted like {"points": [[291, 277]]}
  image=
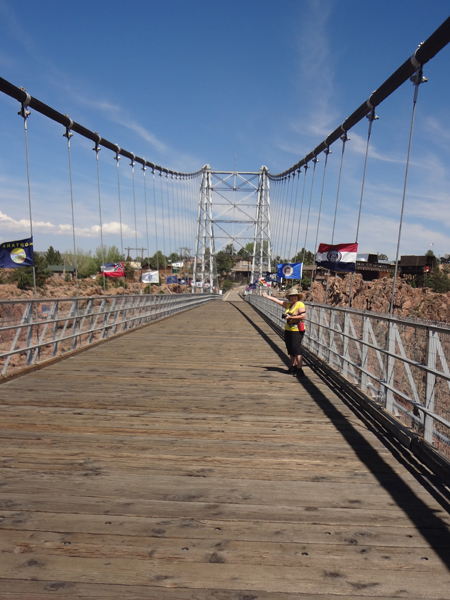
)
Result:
{"points": [[172, 279], [17, 254], [178, 265]]}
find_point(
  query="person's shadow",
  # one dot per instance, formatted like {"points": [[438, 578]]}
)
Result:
{"points": [[427, 520]]}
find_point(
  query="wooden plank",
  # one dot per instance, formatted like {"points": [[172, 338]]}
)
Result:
{"points": [[218, 478]]}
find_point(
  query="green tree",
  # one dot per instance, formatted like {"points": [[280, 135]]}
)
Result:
{"points": [[174, 257], [309, 257], [224, 262], [437, 280], [23, 276], [158, 260], [53, 257], [86, 265], [383, 257], [106, 254]]}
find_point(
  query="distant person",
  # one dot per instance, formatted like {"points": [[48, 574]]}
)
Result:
{"points": [[294, 330]]}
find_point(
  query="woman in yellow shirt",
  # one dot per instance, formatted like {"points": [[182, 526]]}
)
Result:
{"points": [[294, 329]]}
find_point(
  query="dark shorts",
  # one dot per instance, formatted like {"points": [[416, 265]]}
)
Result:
{"points": [[293, 340]]}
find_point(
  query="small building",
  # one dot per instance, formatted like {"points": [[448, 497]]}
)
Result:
{"points": [[60, 271], [417, 265]]}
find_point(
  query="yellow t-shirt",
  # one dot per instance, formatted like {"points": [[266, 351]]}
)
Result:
{"points": [[291, 308]]}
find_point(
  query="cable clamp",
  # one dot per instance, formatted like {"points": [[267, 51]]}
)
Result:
{"points": [[23, 111], [415, 63], [97, 147], [344, 137], [68, 133], [132, 163], [372, 116], [117, 157]]}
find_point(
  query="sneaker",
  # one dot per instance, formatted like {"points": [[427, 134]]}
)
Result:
{"points": [[299, 374], [291, 370]]}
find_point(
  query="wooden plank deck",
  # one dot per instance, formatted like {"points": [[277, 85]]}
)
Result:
{"points": [[180, 463]]}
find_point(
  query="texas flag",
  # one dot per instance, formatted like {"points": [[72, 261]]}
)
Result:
{"points": [[340, 257]]}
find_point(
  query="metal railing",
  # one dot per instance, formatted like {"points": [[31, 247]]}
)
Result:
{"points": [[32, 331], [402, 364]]}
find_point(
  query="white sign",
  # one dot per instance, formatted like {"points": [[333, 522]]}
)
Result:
{"points": [[178, 265]]}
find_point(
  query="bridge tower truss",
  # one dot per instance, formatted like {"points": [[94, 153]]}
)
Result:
{"points": [[262, 250], [233, 214], [205, 271]]}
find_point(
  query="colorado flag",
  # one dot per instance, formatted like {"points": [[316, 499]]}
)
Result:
{"points": [[340, 257]]}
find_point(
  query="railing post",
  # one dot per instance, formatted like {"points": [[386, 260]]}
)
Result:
{"points": [[364, 353], [389, 378], [430, 385], [345, 355]]}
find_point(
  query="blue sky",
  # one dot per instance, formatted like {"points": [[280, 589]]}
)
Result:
{"points": [[188, 83]]}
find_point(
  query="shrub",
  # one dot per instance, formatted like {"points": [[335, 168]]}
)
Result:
{"points": [[226, 285]]}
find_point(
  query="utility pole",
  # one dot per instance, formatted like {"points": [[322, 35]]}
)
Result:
{"points": [[141, 257]]}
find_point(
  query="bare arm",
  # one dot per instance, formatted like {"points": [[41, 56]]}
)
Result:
{"points": [[280, 302]]}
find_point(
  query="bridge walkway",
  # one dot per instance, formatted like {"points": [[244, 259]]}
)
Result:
{"points": [[180, 462]]}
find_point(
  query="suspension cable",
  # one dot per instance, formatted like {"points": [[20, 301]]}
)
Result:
{"points": [[289, 219], [417, 79], [344, 138], [155, 223], [305, 168], [293, 216], [68, 135], [117, 159], [315, 161], [144, 169], [97, 150], [25, 113], [371, 117], [327, 151]]}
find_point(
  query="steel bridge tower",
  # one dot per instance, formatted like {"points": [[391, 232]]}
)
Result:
{"points": [[233, 210]]}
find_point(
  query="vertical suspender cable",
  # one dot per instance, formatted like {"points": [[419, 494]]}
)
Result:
{"points": [[25, 113], [372, 117], [163, 227], [289, 219], [155, 223], [327, 151], [144, 169], [68, 135], [97, 150], [344, 139], [315, 161], [306, 167], [417, 79], [132, 163], [168, 211], [117, 159], [293, 215]]}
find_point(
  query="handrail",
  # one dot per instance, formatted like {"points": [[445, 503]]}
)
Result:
{"points": [[362, 347]]}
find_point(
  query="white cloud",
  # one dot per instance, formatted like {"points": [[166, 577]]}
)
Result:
{"points": [[7, 223]]}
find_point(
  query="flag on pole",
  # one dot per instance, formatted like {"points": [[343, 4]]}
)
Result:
{"points": [[17, 254], [290, 270], [113, 270], [340, 257], [150, 277]]}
